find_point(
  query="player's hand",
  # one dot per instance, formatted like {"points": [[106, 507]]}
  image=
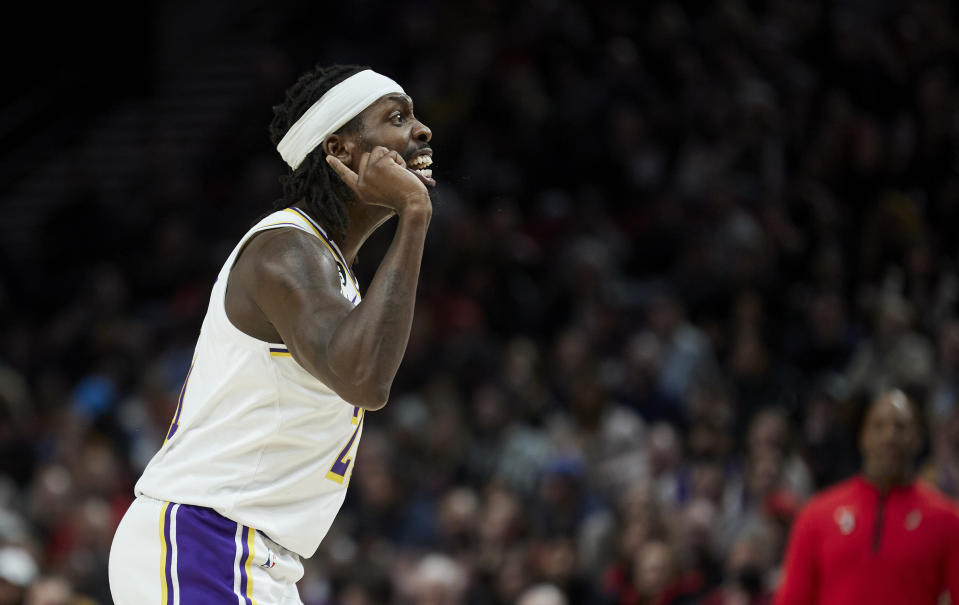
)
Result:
{"points": [[381, 179]]}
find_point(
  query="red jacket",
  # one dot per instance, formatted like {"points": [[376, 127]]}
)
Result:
{"points": [[851, 544]]}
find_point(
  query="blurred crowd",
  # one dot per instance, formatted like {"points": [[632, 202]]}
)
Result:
{"points": [[676, 246]]}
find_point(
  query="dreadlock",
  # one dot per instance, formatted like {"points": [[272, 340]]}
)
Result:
{"points": [[314, 185]]}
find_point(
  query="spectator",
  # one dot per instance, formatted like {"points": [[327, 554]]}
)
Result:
{"points": [[896, 354], [687, 356], [659, 578], [51, 590], [748, 567], [542, 594], [941, 466], [769, 431], [18, 570], [438, 580], [944, 387]]}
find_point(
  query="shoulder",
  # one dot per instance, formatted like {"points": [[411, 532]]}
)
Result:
{"points": [[285, 248], [829, 498], [936, 501], [283, 261], [837, 493]]}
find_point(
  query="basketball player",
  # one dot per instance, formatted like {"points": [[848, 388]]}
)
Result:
{"points": [[289, 358]]}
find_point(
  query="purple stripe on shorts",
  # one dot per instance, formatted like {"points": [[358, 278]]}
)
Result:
{"points": [[168, 564], [206, 552], [245, 537]]}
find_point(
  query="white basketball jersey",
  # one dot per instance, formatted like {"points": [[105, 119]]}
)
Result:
{"points": [[255, 436]]}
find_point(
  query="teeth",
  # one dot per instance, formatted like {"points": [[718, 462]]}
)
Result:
{"points": [[421, 161], [426, 172]]}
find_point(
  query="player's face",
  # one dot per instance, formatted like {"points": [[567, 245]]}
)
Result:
{"points": [[889, 439], [390, 122]]}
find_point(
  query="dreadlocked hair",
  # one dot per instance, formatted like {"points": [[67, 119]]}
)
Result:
{"points": [[313, 185]]}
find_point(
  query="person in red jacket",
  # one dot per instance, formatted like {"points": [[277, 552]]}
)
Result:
{"points": [[881, 536]]}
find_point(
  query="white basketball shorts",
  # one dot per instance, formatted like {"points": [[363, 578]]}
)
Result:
{"points": [[165, 553]]}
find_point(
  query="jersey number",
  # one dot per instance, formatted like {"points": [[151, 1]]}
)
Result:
{"points": [[175, 423], [338, 472]]}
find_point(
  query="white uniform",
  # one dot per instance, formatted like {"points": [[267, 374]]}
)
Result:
{"points": [[255, 439]]}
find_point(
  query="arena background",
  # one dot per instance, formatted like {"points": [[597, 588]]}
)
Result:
{"points": [[677, 245]]}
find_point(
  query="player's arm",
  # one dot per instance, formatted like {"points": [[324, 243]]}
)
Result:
{"points": [[356, 351], [800, 580]]}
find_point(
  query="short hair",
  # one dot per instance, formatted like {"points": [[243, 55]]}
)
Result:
{"points": [[437, 569], [866, 401], [543, 593], [313, 184]]}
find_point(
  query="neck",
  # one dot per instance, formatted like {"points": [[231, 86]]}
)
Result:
{"points": [[885, 483], [364, 220]]}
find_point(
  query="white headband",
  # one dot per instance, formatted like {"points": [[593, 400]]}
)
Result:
{"points": [[335, 108]]}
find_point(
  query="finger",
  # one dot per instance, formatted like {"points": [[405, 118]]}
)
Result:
{"points": [[349, 177], [378, 152], [362, 166], [397, 158]]}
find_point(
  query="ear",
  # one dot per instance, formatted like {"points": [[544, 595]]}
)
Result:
{"points": [[342, 147]]}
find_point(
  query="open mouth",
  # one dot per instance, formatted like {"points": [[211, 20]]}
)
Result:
{"points": [[420, 166]]}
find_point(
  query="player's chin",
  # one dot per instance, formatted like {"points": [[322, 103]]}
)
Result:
{"points": [[425, 176]]}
